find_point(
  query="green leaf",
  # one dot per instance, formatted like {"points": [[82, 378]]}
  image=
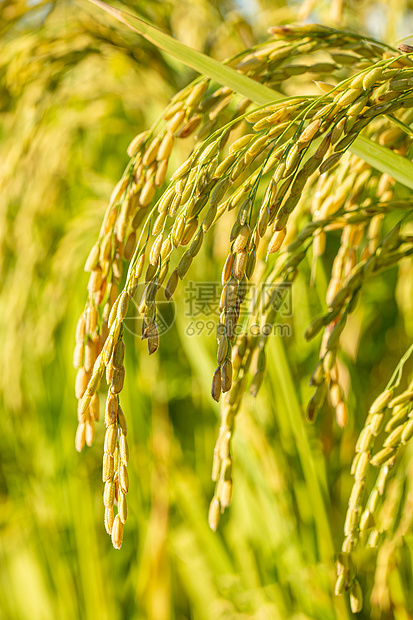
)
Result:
{"points": [[385, 160], [379, 157], [196, 60]]}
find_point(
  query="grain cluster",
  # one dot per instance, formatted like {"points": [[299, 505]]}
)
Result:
{"points": [[284, 176]]}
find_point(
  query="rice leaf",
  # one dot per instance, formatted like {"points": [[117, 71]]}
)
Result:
{"points": [[196, 60], [381, 158]]}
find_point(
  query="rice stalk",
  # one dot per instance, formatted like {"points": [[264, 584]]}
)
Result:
{"points": [[262, 164]]}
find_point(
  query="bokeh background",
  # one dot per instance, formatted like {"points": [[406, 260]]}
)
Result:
{"points": [[74, 90]]}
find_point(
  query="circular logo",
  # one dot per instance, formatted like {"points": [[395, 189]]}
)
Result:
{"points": [[162, 311]]}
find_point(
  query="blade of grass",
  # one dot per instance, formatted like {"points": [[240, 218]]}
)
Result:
{"points": [[385, 160], [381, 158], [196, 60], [285, 381], [282, 368]]}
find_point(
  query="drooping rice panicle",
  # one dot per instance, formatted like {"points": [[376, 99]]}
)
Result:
{"points": [[257, 166]]}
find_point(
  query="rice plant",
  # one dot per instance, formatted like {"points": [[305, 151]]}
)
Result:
{"points": [[282, 176]]}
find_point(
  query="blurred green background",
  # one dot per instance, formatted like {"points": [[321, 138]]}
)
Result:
{"points": [[74, 90]]}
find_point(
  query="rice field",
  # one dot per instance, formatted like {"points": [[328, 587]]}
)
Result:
{"points": [[206, 315]]}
